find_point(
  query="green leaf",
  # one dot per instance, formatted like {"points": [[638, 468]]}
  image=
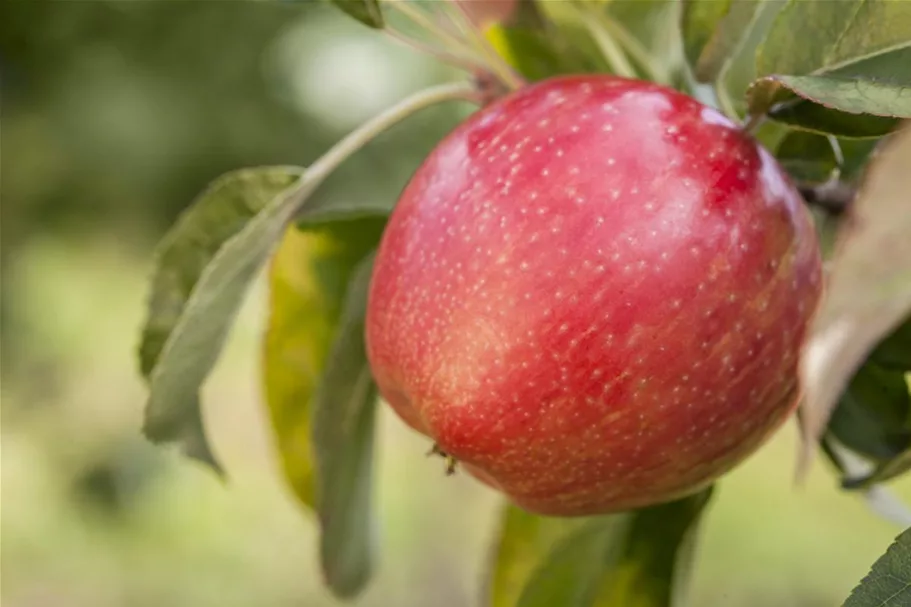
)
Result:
{"points": [[872, 415], [889, 582], [656, 565], [807, 157], [611, 35], [564, 17], [833, 35], [835, 105], [633, 559], [739, 70], [533, 46], [893, 468], [203, 267], [894, 352], [344, 408], [532, 52], [524, 539], [572, 572], [209, 259], [712, 32], [851, 61], [869, 290], [367, 12], [308, 277], [700, 20]]}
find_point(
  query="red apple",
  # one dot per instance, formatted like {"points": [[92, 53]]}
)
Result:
{"points": [[592, 294]]}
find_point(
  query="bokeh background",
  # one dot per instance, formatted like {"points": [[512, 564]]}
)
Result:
{"points": [[114, 115]]}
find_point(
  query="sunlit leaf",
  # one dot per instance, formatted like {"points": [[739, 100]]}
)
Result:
{"points": [[533, 53], [869, 285], [852, 61], [308, 278], [639, 558], [523, 541], [833, 35], [889, 582], [203, 268]]}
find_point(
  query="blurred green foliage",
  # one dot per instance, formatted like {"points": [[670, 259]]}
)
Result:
{"points": [[115, 115]]}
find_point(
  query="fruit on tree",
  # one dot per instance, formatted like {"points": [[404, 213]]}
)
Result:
{"points": [[592, 295]]}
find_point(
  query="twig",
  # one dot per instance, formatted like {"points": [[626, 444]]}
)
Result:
{"points": [[459, 16], [470, 64], [834, 196]]}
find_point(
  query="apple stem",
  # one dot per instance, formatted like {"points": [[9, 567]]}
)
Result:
{"points": [[451, 462], [609, 48], [753, 122], [317, 172]]}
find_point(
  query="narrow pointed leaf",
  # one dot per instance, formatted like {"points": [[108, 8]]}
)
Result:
{"points": [[699, 20], [737, 73], [869, 288], [367, 12], [203, 268], [712, 32], [889, 582], [308, 277], [343, 433]]}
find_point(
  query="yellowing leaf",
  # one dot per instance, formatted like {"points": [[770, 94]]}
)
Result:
{"points": [[308, 278]]}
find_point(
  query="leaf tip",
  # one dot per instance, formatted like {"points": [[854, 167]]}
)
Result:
{"points": [[190, 439]]}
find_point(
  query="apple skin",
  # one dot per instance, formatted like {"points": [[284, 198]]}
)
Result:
{"points": [[593, 294]]}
